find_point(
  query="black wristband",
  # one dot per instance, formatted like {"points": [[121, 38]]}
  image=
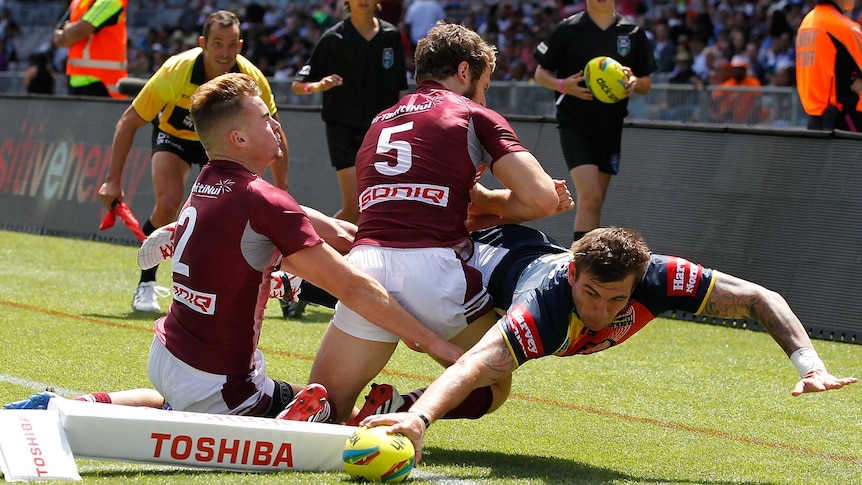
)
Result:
{"points": [[421, 416]]}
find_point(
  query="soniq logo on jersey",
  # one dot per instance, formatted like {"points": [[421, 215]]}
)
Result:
{"points": [[428, 194], [196, 300]]}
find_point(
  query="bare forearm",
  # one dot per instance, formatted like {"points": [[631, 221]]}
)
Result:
{"points": [[124, 137], [72, 33], [506, 205], [546, 78], [485, 364], [736, 298]]}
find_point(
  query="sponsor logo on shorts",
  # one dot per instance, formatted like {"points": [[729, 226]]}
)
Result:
{"points": [[428, 194], [683, 277], [523, 327], [196, 300], [163, 138]]}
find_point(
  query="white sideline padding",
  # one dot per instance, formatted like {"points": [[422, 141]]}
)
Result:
{"points": [[238, 443], [33, 447]]}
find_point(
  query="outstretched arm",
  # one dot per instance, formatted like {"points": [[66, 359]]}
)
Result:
{"points": [[488, 362], [734, 297]]}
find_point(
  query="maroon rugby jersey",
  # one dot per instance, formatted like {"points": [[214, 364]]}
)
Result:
{"points": [[233, 228], [417, 164]]}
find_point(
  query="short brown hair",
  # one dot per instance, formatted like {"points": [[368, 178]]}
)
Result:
{"points": [[219, 99], [447, 45], [611, 254], [224, 18]]}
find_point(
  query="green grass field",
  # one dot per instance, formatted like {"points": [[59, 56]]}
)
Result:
{"points": [[679, 403]]}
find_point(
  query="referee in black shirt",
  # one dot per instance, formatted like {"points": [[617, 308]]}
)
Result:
{"points": [[359, 66], [591, 131]]}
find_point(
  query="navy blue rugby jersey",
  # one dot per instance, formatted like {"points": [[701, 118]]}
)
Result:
{"points": [[541, 319]]}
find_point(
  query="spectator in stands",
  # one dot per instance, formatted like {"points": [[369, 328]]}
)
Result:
{"points": [[591, 131], [38, 77], [665, 48], [697, 43], [738, 106], [358, 65], [755, 67], [9, 31], [421, 15], [679, 104], [780, 49], [779, 106], [828, 60], [98, 47]]}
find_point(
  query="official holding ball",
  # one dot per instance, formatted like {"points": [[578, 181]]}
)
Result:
{"points": [[590, 129]]}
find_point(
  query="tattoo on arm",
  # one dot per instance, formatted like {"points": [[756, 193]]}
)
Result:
{"points": [[497, 359], [737, 298]]}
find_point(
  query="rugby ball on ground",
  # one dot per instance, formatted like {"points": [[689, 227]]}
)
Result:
{"points": [[377, 456], [606, 79]]}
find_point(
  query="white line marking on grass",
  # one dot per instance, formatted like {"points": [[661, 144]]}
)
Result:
{"points": [[441, 479], [39, 386]]}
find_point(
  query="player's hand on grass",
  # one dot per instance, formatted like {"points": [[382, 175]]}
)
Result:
{"points": [[819, 381], [408, 424]]}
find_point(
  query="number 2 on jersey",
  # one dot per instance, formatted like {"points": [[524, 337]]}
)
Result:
{"points": [[187, 221]]}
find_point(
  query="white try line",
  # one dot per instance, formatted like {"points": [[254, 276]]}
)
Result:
{"points": [[427, 476], [39, 386]]}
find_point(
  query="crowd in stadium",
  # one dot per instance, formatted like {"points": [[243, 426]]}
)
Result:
{"points": [[279, 40]]}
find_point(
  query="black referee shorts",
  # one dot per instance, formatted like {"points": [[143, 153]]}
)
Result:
{"points": [[343, 142], [591, 146], [191, 152]]}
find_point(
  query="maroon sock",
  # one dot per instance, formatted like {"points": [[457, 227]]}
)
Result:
{"points": [[474, 406], [102, 397], [410, 398]]}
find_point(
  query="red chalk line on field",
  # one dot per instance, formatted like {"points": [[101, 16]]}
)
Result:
{"points": [[521, 397]]}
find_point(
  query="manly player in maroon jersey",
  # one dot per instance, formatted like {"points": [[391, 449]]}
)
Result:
{"points": [[416, 169], [232, 230]]}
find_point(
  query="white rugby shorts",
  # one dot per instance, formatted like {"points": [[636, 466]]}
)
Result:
{"points": [[188, 389], [430, 283]]}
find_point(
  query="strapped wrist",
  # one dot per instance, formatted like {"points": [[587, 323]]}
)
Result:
{"points": [[560, 85], [806, 360], [307, 88], [425, 420]]}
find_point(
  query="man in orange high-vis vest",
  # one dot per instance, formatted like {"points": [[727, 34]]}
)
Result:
{"points": [[96, 37], [828, 60]]}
